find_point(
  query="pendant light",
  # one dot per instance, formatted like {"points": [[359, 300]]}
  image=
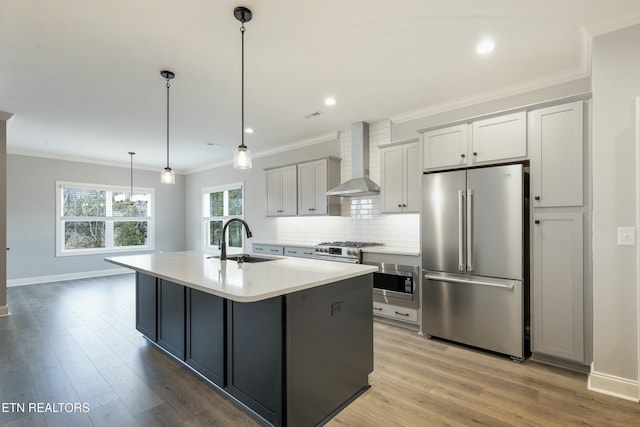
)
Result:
{"points": [[131, 154], [167, 176], [242, 155]]}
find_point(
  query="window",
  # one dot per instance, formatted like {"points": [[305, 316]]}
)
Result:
{"points": [[96, 219], [219, 205]]}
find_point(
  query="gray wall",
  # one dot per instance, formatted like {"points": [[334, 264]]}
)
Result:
{"points": [[31, 215], [616, 84], [254, 191]]}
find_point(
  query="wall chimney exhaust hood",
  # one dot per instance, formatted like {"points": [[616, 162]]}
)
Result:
{"points": [[359, 184]]}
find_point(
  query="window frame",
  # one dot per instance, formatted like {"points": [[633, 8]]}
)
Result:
{"points": [[109, 220], [224, 218]]}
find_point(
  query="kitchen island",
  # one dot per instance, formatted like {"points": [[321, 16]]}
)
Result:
{"points": [[291, 339]]}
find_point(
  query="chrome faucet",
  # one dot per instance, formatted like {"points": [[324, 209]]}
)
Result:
{"points": [[223, 243]]}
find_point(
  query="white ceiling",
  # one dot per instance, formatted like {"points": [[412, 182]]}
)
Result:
{"points": [[82, 78]]}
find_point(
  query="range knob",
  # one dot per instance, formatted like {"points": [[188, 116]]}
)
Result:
{"points": [[353, 252]]}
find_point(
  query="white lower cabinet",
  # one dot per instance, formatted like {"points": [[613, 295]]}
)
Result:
{"points": [[557, 281], [395, 312]]}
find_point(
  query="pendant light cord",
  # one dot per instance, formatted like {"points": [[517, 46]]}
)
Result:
{"points": [[242, 102], [168, 86]]}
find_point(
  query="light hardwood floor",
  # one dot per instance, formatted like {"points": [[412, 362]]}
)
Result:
{"points": [[75, 341]]}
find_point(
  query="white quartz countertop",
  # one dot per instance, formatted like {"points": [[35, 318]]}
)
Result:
{"points": [[244, 282]]}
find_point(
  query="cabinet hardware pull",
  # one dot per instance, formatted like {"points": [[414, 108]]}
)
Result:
{"points": [[377, 308], [462, 156], [402, 314], [399, 205], [475, 154], [537, 221], [537, 197]]}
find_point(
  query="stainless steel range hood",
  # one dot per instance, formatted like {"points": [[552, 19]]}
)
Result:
{"points": [[359, 184]]}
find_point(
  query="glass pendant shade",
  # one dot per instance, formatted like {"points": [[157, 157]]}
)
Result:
{"points": [[242, 158], [167, 176]]}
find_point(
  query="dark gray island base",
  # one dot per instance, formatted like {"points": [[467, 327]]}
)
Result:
{"points": [[295, 359]]}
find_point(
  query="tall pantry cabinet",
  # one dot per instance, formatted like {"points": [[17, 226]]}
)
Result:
{"points": [[560, 216]]}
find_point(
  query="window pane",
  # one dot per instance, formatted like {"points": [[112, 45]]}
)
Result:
{"points": [[84, 234], [216, 204], [215, 229], [235, 235], [83, 202], [136, 206], [235, 202], [130, 233]]}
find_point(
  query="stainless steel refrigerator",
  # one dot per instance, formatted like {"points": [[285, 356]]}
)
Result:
{"points": [[473, 257]]}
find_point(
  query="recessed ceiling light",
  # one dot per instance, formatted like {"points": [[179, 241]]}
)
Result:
{"points": [[329, 101], [485, 46], [248, 130]]}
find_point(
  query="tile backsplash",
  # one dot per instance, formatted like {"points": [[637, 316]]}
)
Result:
{"points": [[361, 219]]}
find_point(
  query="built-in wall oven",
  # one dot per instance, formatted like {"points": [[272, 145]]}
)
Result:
{"points": [[396, 284]]}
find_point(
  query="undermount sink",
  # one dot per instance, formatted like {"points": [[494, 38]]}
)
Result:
{"points": [[244, 258]]}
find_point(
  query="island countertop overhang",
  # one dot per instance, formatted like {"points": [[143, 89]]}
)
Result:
{"points": [[241, 282]]}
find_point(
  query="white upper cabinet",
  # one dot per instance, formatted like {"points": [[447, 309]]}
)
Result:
{"points": [[400, 178], [557, 155], [445, 147], [315, 178], [499, 138], [282, 191]]}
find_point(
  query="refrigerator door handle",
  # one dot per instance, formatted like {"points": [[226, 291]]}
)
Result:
{"points": [[461, 261], [469, 230], [468, 281]]}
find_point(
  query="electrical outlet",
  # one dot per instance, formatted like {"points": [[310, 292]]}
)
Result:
{"points": [[626, 236]]}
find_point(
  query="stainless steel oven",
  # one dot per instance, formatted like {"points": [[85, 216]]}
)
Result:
{"points": [[396, 284]]}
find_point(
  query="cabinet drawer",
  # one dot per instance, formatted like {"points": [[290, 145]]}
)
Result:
{"points": [[395, 312], [267, 249], [299, 251]]}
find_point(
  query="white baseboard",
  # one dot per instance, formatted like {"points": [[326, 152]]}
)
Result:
{"points": [[68, 276], [614, 386], [4, 310]]}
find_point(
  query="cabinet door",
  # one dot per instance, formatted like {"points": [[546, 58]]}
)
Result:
{"points": [[391, 177], [499, 138], [558, 285], [146, 306], [445, 147], [205, 334], [557, 155], [412, 177], [289, 190], [320, 187], [171, 318], [255, 355], [274, 192], [306, 183]]}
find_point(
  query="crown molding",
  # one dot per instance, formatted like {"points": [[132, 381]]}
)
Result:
{"points": [[64, 157], [4, 116], [614, 24], [492, 95]]}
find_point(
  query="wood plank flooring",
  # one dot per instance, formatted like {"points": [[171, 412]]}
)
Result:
{"points": [[75, 342]]}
